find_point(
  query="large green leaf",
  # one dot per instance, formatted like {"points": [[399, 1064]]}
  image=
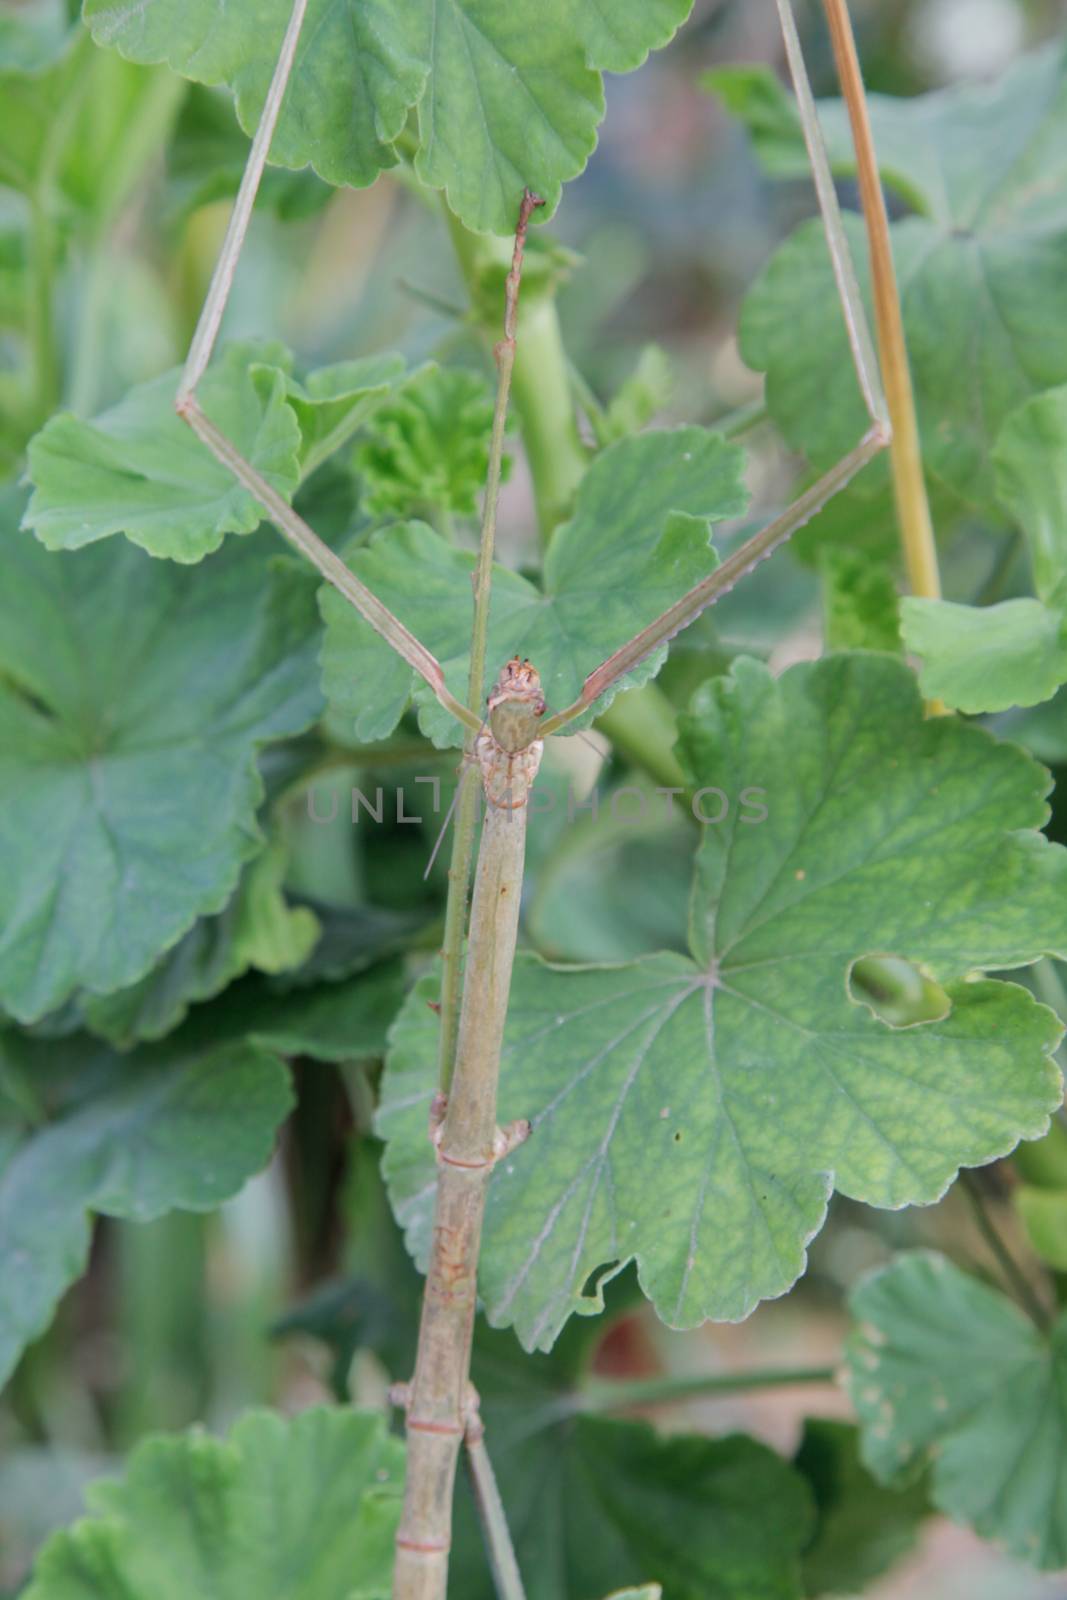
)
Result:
{"points": [[591, 1503], [182, 1125], [507, 97], [303, 1508], [257, 928], [863, 1526], [982, 275], [134, 696], [138, 469], [637, 541], [594, 1503], [927, 145], [694, 1114], [944, 1369]]}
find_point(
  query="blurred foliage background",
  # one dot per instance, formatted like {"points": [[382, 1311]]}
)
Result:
{"points": [[272, 1299]]}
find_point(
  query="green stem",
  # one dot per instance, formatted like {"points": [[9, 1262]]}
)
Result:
{"points": [[544, 403], [543, 390], [599, 1396], [1006, 1261], [641, 724], [743, 420]]}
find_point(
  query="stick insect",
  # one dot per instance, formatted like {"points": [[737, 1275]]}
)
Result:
{"points": [[504, 740]]}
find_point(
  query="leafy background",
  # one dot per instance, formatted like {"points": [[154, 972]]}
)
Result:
{"points": [[247, 1014]]}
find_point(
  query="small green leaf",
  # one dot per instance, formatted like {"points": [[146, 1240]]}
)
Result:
{"points": [[429, 446], [507, 98], [738, 1087], [986, 658], [178, 1126], [1043, 1213], [863, 1528], [138, 694], [943, 1369], [138, 469], [982, 275], [640, 396], [303, 1508], [638, 540], [333, 402]]}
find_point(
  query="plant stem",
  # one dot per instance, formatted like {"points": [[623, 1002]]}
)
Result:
{"points": [[641, 724], [544, 402], [459, 871], [599, 1397], [909, 485], [742, 420], [1008, 1265]]}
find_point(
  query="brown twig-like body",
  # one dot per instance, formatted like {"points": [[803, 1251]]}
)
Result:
{"points": [[468, 1142]]}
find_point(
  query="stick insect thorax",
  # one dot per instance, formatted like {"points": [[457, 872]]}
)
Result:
{"points": [[508, 749]]}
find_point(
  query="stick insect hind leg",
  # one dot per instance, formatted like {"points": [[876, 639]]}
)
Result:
{"points": [[289, 524]]}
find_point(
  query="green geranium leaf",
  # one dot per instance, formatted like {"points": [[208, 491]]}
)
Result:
{"points": [[303, 1508], [640, 396], [638, 540], [178, 1126], [982, 275], [986, 658], [333, 402], [137, 696], [429, 446], [736, 1088], [138, 469], [594, 1504], [863, 1527], [506, 99], [343, 1021], [257, 928], [942, 1368]]}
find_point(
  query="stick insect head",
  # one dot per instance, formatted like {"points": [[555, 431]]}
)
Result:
{"points": [[516, 706]]}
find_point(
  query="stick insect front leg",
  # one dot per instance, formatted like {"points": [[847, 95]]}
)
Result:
{"points": [[288, 523], [879, 434]]}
